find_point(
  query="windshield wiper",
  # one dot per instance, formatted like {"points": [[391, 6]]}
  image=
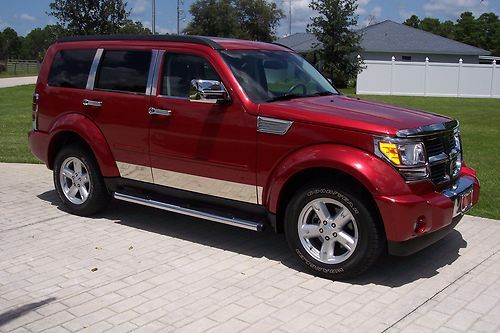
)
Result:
{"points": [[286, 97], [323, 93]]}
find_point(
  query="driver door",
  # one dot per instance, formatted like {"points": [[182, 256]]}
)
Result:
{"points": [[200, 147]]}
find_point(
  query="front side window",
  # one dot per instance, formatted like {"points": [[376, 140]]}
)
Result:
{"points": [[266, 76], [70, 68], [178, 71], [124, 71]]}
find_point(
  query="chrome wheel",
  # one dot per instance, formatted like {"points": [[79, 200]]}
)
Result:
{"points": [[75, 181], [327, 230]]}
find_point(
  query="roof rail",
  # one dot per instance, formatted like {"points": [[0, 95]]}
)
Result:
{"points": [[160, 38]]}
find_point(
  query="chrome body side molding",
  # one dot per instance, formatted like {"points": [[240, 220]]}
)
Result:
{"points": [[245, 224], [273, 125], [204, 185], [135, 172]]}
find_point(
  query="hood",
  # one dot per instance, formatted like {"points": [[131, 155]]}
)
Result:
{"points": [[350, 113]]}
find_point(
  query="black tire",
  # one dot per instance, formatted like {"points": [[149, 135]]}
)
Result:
{"points": [[98, 196], [370, 238]]}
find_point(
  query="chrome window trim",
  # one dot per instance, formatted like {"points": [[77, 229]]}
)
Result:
{"points": [[152, 68], [156, 74], [273, 125], [93, 69]]}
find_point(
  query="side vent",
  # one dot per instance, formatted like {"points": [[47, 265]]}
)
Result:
{"points": [[273, 126]]}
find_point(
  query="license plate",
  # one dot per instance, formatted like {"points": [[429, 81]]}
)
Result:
{"points": [[463, 202]]}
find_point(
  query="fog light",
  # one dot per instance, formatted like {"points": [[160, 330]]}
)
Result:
{"points": [[420, 225]]}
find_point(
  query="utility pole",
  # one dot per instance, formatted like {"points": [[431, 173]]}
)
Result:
{"points": [[154, 17], [290, 19], [180, 15]]}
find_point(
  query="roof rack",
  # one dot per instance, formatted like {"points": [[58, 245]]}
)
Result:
{"points": [[159, 38]]}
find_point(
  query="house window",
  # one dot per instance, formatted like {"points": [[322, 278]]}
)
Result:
{"points": [[406, 58]]}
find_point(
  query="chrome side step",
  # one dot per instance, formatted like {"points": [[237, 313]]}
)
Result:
{"points": [[251, 225]]}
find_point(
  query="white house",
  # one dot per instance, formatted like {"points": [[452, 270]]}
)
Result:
{"points": [[386, 39]]}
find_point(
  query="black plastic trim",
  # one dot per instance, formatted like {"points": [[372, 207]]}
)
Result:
{"points": [[414, 245], [429, 129], [158, 38]]}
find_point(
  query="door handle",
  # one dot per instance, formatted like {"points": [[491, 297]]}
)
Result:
{"points": [[159, 112], [89, 102]]}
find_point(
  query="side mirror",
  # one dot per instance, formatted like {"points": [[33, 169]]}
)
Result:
{"points": [[208, 91]]}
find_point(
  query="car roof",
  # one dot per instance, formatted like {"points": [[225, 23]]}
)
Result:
{"points": [[216, 43]]}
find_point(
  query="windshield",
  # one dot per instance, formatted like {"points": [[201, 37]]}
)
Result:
{"points": [[268, 76]]}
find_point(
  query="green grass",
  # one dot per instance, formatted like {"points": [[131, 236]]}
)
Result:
{"points": [[15, 122], [4, 75], [479, 121]]}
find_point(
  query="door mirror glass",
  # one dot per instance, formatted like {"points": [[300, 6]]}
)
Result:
{"points": [[208, 91]]}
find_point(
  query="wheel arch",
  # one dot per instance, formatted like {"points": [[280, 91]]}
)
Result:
{"points": [[76, 128]]}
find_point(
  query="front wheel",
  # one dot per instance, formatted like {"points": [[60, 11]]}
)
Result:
{"points": [[78, 181], [332, 231]]}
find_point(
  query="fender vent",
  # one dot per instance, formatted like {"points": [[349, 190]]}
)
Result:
{"points": [[273, 126]]}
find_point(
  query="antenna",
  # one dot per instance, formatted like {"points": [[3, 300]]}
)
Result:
{"points": [[153, 23]]}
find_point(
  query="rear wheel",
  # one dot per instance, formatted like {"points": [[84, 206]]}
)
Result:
{"points": [[332, 231], [78, 181]]}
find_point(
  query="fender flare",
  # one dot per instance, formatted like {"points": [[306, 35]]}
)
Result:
{"points": [[86, 129], [377, 176]]}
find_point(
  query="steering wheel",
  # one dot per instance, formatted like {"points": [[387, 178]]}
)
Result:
{"points": [[295, 86]]}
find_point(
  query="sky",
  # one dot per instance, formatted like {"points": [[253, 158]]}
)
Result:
{"points": [[25, 15]]}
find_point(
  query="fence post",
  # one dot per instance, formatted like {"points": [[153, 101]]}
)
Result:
{"points": [[460, 61], [493, 68], [393, 60], [425, 75]]}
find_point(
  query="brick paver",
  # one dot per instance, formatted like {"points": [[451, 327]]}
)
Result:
{"points": [[133, 268]]}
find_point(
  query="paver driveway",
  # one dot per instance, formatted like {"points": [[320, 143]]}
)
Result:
{"points": [[136, 268]]}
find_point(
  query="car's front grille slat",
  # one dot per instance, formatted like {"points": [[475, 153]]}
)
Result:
{"points": [[439, 144]]}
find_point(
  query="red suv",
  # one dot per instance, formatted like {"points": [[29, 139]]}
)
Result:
{"points": [[247, 134]]}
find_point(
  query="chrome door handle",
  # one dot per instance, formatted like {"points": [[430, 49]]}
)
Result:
{"points": [[159, 112], [89, 102]]}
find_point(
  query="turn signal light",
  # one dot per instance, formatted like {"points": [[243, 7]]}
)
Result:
{"points": [[390, 150]]}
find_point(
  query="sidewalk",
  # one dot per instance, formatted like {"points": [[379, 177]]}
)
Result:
{"points": [[134, 268], [17, 81]]}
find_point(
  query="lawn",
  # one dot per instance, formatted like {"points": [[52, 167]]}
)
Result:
{"points": [[479, 121]]}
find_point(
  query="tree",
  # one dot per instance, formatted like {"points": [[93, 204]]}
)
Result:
{"points": [[466, 29], [430, 24], [413, 21], [37, 41], [334, 27], [248, 19], [134, 28], [86, 17], [258, 19], [11, 45], [213, 18]]}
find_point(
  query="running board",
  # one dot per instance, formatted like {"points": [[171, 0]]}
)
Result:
{"points": [[251, 225]]}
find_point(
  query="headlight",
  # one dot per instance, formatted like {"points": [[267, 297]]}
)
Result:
{"points": [[403, 153], [407, 156]]}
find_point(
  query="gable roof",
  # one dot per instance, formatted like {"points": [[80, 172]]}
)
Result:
{"points": [[389, 36]]}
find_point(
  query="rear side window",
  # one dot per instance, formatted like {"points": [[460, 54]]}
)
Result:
{"points": [[178, 71], [124, 71], [70, 68]]}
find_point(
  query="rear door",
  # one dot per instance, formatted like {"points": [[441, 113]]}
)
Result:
{"points": [[200, 147], [118, 102]]}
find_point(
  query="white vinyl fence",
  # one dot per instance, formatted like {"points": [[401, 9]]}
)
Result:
{"points": [[429, 79]]}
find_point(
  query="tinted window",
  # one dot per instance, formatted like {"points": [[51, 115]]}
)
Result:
{"points": [[178, 71], [71, 68], [124, 71]]}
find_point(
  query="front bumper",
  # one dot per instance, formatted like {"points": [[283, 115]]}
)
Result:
{"points": [[440, 211]]}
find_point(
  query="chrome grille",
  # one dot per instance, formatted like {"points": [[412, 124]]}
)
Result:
{"points": [[439, 150]]}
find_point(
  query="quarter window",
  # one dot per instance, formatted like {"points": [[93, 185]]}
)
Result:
{"points": [[70, 68], [124, 71], [178, 71]]}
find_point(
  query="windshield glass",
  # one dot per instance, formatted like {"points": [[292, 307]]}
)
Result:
{"points": [[268, 76]]}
